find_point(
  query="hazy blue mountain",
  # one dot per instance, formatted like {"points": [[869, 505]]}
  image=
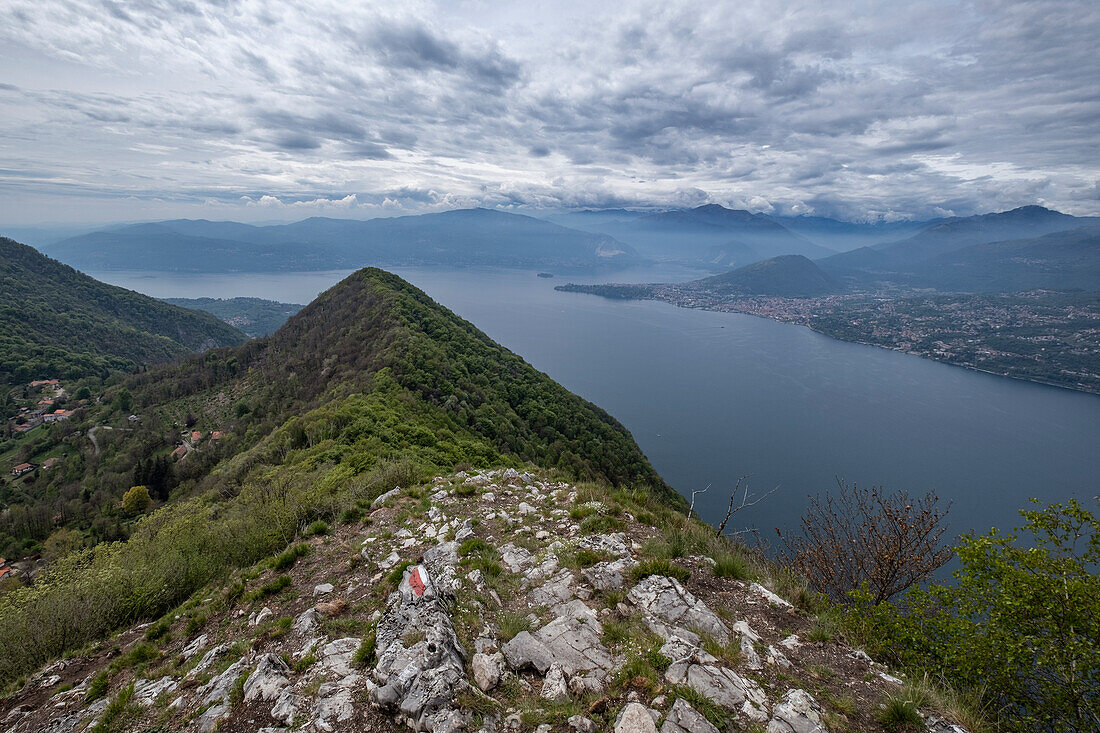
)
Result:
{"points": [[846, 235], [789, 276], [1059, 261], [469, 237]]}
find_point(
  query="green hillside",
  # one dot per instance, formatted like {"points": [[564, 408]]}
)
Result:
{"points": [[255, 316], [57, 322]]}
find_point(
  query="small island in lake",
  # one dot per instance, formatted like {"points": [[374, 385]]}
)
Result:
{"points": [[546, 274]]}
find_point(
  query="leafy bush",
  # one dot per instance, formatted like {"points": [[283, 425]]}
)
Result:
{"points": [[97, 688], [316, 528], [864, 536]]}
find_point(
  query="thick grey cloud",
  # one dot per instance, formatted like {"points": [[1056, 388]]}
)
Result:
{"points": [[119, 109]]}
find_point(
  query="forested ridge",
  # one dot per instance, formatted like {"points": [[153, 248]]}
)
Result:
{"points": [[56, 322]]}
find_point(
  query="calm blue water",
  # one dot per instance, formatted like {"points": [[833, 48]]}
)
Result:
{"points": [[711, 396]]}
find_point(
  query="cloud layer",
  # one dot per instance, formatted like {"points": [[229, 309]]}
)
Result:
{"points": [[253, 109]]}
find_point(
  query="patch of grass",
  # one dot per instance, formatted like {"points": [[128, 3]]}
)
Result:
{"points": [[159, 630], [616, 633], [581, 512], [966, 709], [97, 688], [195, 623], [364, 655], [139, 654], [477, 702], [659, 566], [585, 558], [343, 626], [511, 623], [899, 714], [319, 527], [118, 712], [351, 515], [236, 694], [730, 652], [286, 559], [413, 637], [601, 524], [474, 546], [277, 628], [269, 588], [712, 711], [394, 576], [465, 489], [824, 629]]}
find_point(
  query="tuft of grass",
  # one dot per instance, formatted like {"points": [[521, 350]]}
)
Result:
{"points": [[659, 566], [286, 559], [318, 527], [731, 565], [195, 623], [394, 576], [966, 709], [585, 558], [602, 524], [712, 711], [511, 623], [477, 702], [730, 652], [97, 688], [824, 629], [118, 712], [900, 714], [364, 655], [236, 694]]}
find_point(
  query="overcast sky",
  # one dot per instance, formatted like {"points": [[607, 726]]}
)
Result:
{"points": [[266, 110]]}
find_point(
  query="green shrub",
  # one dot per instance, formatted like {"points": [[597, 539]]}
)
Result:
{"points": [[319, 527], [158, 630], [195, 623]]}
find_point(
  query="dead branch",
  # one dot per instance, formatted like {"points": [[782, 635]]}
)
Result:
{"points": [[746, 502]]}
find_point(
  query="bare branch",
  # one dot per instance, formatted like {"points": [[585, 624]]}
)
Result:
{"points": [[694, 493], [746, 502]]}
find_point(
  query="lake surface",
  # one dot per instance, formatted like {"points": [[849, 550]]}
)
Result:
{"points": [[712, 396]]}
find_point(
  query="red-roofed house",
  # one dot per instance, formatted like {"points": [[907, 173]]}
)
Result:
{"points": [[50, 463], [21, 469], [217, 435], [58, 415], [196, 436], [179, 452]]}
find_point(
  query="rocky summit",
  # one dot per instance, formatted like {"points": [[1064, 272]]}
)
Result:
{"points": [[483, 601]]}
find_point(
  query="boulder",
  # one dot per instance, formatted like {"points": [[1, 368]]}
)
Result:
{"points": [[554, 686], [683, 718], [769, 596], [573, 641], [670, 602], [581, 724], [524, 650], [635, 718], [255, 619], [146, 692], [195, 646], [515, 558], [704, 674], [797, 712], [608, 576], [616, 545], [487, 669], [267, 680]]}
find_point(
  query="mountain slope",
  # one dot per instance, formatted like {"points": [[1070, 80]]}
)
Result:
{"points": [[467, 237], [59, 322]]}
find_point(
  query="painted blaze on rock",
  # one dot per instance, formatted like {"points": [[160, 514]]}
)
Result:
{"points": [[417, 580]]}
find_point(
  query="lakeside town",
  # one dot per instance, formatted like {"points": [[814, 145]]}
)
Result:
{"points": [[1041, 336]]}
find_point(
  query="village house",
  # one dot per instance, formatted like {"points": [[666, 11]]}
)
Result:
{"points": [[179, 452], [6, 571], [21, 469], [45, 382], [50, 463], [217, 435], [196, 436], [58, 416]]}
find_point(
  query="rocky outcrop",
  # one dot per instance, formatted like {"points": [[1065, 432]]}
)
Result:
{"points": [[349, 645], [672, 604], [421, 665]]}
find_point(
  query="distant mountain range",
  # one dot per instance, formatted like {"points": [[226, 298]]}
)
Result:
{"points": [[57, 322], [1022, 249], [462, 238]]}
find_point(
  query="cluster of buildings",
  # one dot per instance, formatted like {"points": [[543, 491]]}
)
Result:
{"points": [[44, 412]]}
